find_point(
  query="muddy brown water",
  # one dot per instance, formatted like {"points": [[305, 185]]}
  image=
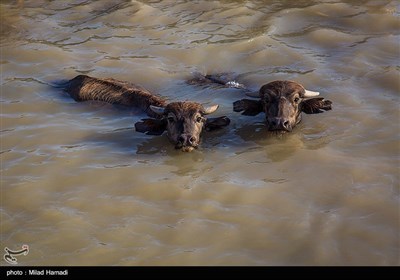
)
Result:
{"points": [[81, 187]]}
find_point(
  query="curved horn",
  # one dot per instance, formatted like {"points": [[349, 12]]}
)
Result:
{"points": [[310, 93], [255, 94], [157, 110], [210, 109]]}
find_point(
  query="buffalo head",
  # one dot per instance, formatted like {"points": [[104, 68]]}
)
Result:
{"points": [[184, 123], [282, 102]]}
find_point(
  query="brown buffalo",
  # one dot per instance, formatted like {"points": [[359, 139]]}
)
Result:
{"points": [[183, 121], [282, 102]]}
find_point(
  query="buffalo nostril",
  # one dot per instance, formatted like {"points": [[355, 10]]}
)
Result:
{"points": [[286, 124], [274, 123], [181, 139], [192, 140]]}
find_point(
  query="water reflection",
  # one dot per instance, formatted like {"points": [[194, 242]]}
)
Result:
{"points": [[155, 145]]}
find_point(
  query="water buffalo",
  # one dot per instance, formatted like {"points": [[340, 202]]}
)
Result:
{"points": [[282, 102], [183, 121]]}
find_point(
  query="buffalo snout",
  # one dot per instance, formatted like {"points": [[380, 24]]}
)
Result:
{"points": [[187, 139], [187, 142], [276, 123]]}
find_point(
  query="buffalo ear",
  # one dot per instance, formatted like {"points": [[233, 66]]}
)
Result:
{"points": [[249, 107], [316, 105], [216, 123], [151, 126]]}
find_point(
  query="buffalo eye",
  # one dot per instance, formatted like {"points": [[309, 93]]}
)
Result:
{"points": [[170, 119], [199, 119], [296, 100]]}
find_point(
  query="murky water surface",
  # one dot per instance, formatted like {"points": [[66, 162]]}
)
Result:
{"points": [[81, 187]]}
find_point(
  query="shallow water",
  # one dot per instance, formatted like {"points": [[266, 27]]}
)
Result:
{"points": [[81, 187]]}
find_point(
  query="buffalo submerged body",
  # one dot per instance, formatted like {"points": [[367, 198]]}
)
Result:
{"points": [[281, 101], [184, 121]]}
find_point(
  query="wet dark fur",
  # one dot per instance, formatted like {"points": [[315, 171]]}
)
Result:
{"points": [[83, 88], [226, 80], [316, 105], [183, 121], [276, 99], [283, 99]]}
